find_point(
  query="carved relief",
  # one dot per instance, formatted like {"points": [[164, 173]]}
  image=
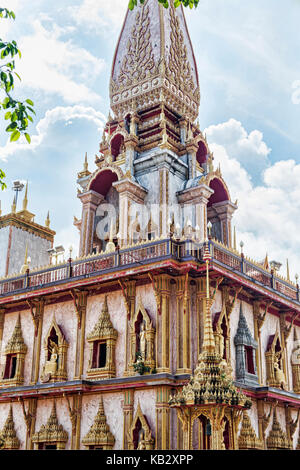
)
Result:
{"points": [[247, 437], [15, 352], [138, 62], [55, 347], [277, 439], [51, 435], [8, 438], [274, 363], [102, 341], [99, 435]]}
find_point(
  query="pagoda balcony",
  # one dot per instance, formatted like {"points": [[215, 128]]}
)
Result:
{"points": [[168, 254]]}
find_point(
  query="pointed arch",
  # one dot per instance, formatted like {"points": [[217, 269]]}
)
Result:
{"points": [[140, 432]]}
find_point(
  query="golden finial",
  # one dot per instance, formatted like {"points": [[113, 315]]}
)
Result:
{"points": [[266, 262], [47, 221], [287, 270], [85, 165], [234, 238], [25, 266], [25, 200], [110, 247], [14, 206]]}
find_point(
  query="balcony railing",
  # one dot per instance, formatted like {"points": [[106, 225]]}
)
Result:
{"points": [[142, 254]]}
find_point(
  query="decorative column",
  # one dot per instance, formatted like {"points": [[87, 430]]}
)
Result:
{"points": [[201, 308], [197, 197], [163, 202], [80, 303], [75, 417], [192, 148], [129, 192], [128, 415], [29, 418], [225, 211], [163, 325], [130, 145], [162, 441], [90, 201], [183, 325], [2, 312], [37, 313]]}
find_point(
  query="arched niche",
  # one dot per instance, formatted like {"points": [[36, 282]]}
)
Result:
{"points": [[202, 154], [142, 339], [220, 210], [117, 147], [221, 333], [139, 435], [55, 351], [107, 211]]}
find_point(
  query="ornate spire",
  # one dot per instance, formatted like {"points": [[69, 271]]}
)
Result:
{"points": [[52, 431], [25, 200], [154, 58], [104, 326], [14, 206], [247, 437], [99, 433], [47, 221], [25, 266], [287, 270], [85, 171], [8, 434], [16, 343]]}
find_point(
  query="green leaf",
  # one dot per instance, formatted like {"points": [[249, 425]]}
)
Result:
{"points": [[15, 136], [28, 138], [30, 102]]}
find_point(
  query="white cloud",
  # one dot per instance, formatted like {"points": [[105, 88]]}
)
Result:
{"points": [[98, 14], [60, 113], [248, 149], [267, 218], [57, 66]]}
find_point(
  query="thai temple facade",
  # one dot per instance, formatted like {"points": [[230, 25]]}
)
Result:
{"points": [[161, 334]]}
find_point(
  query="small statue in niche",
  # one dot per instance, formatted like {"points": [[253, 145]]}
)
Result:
{"points": [[141, 444], [51, 365], [143, 341], [279, 375]]}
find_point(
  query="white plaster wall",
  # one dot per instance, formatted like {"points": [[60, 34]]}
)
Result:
{"points": [[37, 250], [4, 234], [64, 314], [117, 313], [112, 403]]}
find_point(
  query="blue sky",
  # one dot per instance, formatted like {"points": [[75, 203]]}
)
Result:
{"points": [[249, 71]]}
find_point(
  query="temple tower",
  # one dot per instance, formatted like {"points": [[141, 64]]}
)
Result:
{"points": [[23, 240], [155, 172]]}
